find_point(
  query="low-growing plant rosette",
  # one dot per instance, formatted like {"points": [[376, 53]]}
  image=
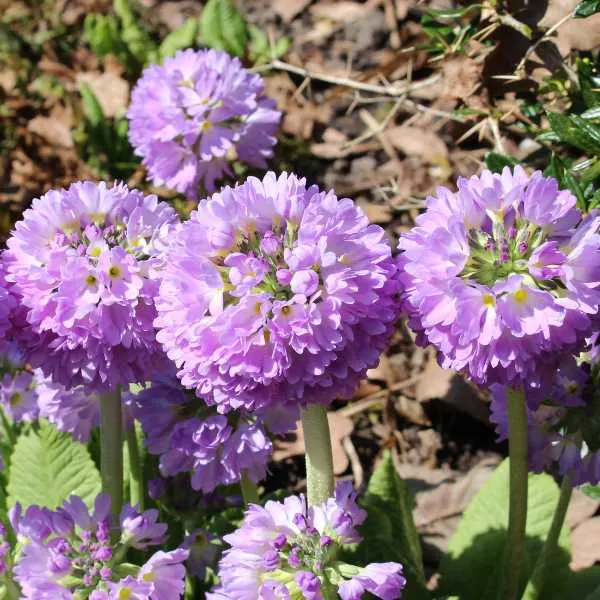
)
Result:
{"points": [[276, 293], [193, 115], [288, 550], [502, 276], [83, 262]]}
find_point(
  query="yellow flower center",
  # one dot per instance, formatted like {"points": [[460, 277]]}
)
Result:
{"points": [[95, 252], [124, 594], [286, 310], [489, 300], [572, 387], [114, 271], [520, 296], [15, 399], [91, 280], [148, 576]]}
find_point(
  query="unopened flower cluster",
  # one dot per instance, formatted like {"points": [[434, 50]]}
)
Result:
{"points": [[67, 553]]}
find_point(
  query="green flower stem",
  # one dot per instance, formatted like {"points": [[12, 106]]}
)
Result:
{"points": [[319, 460], [11, 589], [518, 481], [535, 585], [136, 471], [111, 448], [249, 490]]}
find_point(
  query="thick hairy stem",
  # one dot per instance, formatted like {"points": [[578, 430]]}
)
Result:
{"points": [[111, 448], [319, 460], [535, 585], [517, 512]]}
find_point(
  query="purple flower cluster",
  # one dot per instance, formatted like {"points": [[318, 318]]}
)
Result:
{"points": [[191, 437], [18, 385], [190, 117], [83, 262], [8, 304], [561, 428], [68, 553], [26, 395], [513, 253], [274, 293], [288, 550]]}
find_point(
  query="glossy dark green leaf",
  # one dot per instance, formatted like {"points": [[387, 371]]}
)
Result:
{"points": [[587, 8]]}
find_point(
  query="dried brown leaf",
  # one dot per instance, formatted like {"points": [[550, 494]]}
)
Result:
{"points": [[585, 544], [288, 9], [377, 213], [581, 508], [414, 141], [342, 11], [339, 426], [111, 90], [55, 129], [451, 388]]}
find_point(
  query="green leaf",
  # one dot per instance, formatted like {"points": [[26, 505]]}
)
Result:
{"points": [[587, 8], [470, 570], [389, 533], [593, 491], [91, 106], [48, 466], [592, 114], [589, 83], [101, 32], [576, 131], [223, 27], [260, 51], [133, 34], [496, 161], [181, 38]]}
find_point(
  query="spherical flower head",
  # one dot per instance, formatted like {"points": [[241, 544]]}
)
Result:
{"points": [[190, 436], [190, 116], [253, 329], [84, 262], [288, 550], [503, 276]]}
